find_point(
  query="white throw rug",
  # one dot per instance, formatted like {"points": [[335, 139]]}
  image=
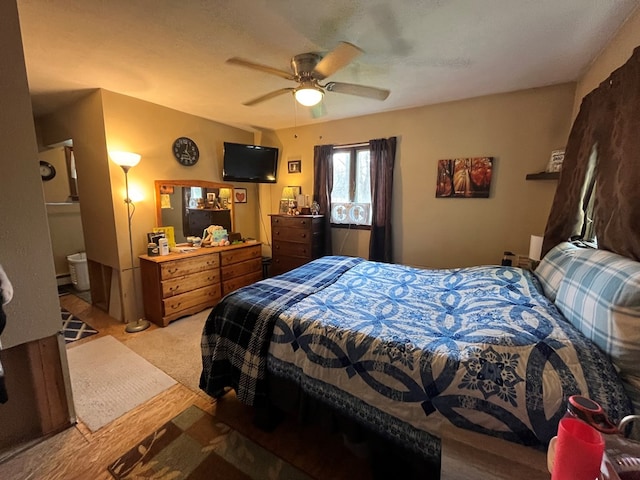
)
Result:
{"points": [[108, 379], [175, 349]]}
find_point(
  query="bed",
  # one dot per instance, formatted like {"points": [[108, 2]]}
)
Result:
{"points": [[410, 353]]}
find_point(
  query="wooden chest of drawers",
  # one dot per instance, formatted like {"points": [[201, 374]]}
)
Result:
{"points": [[295, 241], [181, 284]]}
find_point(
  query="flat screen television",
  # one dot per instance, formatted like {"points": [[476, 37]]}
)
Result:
{"points": [[249, 163]]}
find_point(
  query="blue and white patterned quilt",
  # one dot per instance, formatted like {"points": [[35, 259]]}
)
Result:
{"points": [[403, 349]]}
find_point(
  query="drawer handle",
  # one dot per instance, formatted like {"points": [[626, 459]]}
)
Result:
{"points": [[277, 247], [173, 289], [303, 235], [230, 258], [303, 222], [211, 278], [176, 305], [211, 262], [172, 270]]}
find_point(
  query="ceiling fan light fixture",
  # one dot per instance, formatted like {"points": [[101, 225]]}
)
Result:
{"points": [[308, 96]]}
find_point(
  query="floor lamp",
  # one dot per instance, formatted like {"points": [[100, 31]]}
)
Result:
{"points": [[127, 160]]}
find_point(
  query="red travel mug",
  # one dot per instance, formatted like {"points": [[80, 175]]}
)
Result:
{"points": [[578, 452]]}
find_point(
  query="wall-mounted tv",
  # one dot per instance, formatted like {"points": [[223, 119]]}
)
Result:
{"points": [[249, 163]]}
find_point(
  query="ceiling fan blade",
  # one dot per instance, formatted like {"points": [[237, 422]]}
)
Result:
{"points": [[263, 68], [268, 96], [358, 90], [336, 59]]}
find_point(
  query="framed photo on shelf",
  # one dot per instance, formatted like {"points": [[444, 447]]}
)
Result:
{"points": [[284, 206], [555, 162], [295, 166]]}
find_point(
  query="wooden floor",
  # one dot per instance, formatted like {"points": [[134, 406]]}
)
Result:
{"points": [[79, 454]]}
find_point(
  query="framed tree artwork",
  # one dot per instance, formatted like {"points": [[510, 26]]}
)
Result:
{"points": [[464, 177]]}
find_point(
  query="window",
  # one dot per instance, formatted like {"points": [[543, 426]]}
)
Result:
{"points": [[351, 193]]}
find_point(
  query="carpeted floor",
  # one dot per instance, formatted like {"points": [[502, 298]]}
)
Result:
{"points": [[73, 328], [108, 379], [175, 349], [195, 446]]}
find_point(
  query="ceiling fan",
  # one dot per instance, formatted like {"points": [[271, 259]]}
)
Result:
{"points": [[309, 69]]}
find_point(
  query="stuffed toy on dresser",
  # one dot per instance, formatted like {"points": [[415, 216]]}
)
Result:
{"points": [[6, 294]]}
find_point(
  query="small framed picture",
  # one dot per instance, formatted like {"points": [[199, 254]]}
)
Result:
{"points": [[295, 166], [284, 206], [240, 195], [556, 160]]}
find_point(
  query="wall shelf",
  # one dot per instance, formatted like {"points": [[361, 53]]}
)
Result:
{"points": [[543, 176]]}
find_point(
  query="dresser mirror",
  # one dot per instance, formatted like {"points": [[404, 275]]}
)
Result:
{"points": [[190, 206]]}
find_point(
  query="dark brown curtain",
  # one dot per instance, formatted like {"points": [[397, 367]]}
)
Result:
{"points": [[605, 136], [382, 156], [322, 186]]}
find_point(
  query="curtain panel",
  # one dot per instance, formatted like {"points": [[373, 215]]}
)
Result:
{"points": [[606, 133], [382, 156], [322, 186]]}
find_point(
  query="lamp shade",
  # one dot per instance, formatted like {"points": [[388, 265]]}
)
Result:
{"points": [[125, 159], [308, 96], [535, 247]]}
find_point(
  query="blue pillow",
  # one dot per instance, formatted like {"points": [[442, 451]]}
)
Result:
{"points": [[553, 267], [600, 296]]}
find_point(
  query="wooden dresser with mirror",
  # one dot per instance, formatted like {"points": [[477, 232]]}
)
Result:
{"points": [[181, 284]]}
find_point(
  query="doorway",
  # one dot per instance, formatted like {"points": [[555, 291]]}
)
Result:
{"points": [[60, 188]]}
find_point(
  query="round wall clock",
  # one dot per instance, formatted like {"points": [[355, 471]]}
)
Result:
{"points": [[47, 171], [186, 151]]}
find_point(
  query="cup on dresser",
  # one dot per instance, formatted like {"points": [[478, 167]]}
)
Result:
{"points": [[578, 451]]}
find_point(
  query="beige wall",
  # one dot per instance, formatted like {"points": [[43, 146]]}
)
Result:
{"points": [[103, 121], [25, 248], [518, 129]]}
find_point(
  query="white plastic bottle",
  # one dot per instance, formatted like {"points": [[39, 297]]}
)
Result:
{"points": [[163, 244]]}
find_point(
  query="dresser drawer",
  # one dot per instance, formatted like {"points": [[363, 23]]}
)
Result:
{"points": [[242, 268], [282, 263], [291, 235], [186, 266], [292, 221], [229, 286], [240, 255], [179, 285], [174, 306], [292, 249]]}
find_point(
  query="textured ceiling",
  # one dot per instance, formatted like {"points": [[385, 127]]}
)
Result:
{"points": [[173, 52]]}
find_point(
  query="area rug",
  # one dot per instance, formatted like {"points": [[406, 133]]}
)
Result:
{"points": [[73, 328], [108, 379], [175, 349], [196, 446]]}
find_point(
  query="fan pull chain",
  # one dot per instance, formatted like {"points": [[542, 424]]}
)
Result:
{"points": [[295, 118]]}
